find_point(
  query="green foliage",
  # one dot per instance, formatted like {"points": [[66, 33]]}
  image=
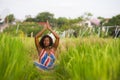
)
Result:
{"points": [[61, 24], [102, 20], [76, 20], [90, 59], [26, 28], [115, 21], [10, 18], [15, 63], [78, 59], [62, 21], [44, 16], [30, 20]]}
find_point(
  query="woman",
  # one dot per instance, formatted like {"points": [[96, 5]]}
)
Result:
{"points": [[46, 48]]}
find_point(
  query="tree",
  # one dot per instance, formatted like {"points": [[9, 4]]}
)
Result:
{"points": [[10, 18], [114, 21], [76, 20], [42, 17], [30, 19], [102, 20], [62, 21], [87, 15]]}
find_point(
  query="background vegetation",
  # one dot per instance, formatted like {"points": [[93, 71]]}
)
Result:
{"points": [[30, 25]]}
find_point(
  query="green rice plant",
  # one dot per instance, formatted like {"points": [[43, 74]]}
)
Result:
{"points": [[15, 63], [90, 59]]}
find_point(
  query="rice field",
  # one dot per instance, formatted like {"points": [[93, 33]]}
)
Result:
{"points": [[90, 58]]}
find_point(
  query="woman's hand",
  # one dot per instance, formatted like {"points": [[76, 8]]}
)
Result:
{"points": [[45, 26], [48, 26]]}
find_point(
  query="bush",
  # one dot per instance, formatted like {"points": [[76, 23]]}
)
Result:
{"points": [[26, 28]]}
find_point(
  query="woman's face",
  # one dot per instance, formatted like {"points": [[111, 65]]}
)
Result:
{"points": [[46, 42]]}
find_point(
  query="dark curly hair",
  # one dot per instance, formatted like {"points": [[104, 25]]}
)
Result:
{"points": [[42, 40]]}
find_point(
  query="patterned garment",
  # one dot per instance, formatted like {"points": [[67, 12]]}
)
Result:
{"points": [[46, 60]]}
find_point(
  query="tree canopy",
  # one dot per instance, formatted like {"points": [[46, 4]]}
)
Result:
{"points": [[10, 18], [42, 17], [114, 21]]}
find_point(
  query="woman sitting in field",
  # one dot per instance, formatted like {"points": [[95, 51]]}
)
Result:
{"points": [[46, 48]]}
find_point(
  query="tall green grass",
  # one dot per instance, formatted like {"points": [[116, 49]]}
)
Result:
{"points": [[77, 59], [15, 64], [90, 59]]}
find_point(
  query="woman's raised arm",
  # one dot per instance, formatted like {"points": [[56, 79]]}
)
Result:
{"points": [[55, 45], [38, 35]]}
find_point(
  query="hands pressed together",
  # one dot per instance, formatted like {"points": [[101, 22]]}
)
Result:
{"points": [[47, 26]]}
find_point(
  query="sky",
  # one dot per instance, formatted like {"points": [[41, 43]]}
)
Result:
{"points": [[60, 8]]}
